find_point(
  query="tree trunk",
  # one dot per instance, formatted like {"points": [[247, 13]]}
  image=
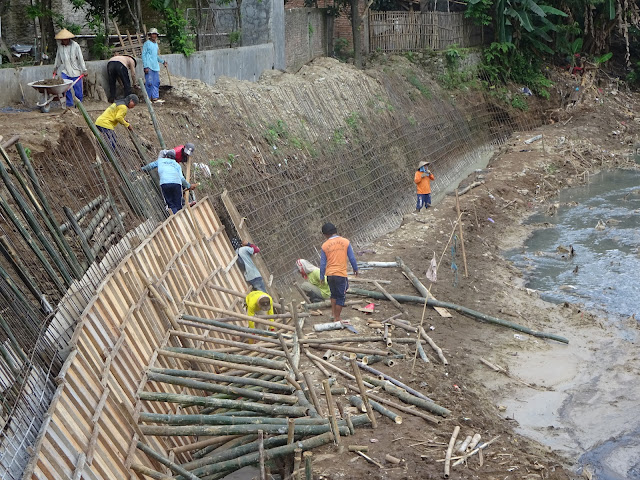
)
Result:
{"points": [[106, 23], [357, 37]]}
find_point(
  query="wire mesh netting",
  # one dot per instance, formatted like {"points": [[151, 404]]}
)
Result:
{"points": [[341, 148]]}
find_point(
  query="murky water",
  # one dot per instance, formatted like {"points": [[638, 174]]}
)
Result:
{"points": [[588, 409], [604, 231]]}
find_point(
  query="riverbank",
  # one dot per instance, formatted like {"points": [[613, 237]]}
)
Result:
{"points": [[546, 404]]}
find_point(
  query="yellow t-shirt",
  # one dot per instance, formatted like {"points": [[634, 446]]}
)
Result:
{"points": [[112, 116], [252, 305]]}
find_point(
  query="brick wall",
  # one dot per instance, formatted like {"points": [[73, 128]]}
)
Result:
{"points": [[305, 35], [342, 24]]}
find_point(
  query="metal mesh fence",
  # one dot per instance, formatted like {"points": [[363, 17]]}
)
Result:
{"points": [[292, 156]]}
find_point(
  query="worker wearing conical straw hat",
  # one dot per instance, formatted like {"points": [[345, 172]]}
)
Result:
{"points": [[70, 62], [422, 179]]}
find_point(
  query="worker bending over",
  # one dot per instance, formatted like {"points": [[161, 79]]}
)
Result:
{"points": [[258, 303], [313, 287], [172, 180]]}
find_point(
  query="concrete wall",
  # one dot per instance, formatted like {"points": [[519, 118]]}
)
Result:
{"points": [[243, 63], [263, 22], [306, 35]]}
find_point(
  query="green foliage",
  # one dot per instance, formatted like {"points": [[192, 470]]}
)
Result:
{"points": [[338, 137], [234, 37], [340, 46], [503, 62], [275, 131], [38, 10], [222, 165], [603, 58], [452, 56], [479, 11], [175, 26], [415, 81], [100, 48], [520, 102], [310, 30], [353, 120]]}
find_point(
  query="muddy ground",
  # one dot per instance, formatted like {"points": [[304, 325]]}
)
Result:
{"points": [[519, 180]]}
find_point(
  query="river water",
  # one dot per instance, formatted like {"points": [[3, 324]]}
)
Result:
{"points": [[588, 408]]}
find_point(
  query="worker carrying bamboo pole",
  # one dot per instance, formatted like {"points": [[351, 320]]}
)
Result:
{"points": [[172, 179], [258, 303], [422, 179], [336, 250], [246, 251], [313, 287]]}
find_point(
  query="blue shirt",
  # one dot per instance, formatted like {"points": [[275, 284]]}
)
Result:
{"points": [[169, 171], [150, 58], [323, 261], [250, 270]]}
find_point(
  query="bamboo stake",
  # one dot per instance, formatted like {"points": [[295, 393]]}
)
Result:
{"points": [[149, 472], [240, 316], [354, 339], [447, 458], [84, 243], [222, 419], [412, 400], [423, 355], [174, 467], [230, 329], [292, 411], [435, 347], [318, 365], [464, 253], [297, 460], [152, 114], [83, 212], [263, 472], [474, 441], [332, 413], [213, 377], [110, 199], [369, 459], [331, 366], [367, 351], [312, 392], [363, 391], [47, 214], [476, 450], [34, 248], [308, 465], [33, 327], [216, 388], [230, 343], [394, 381], [228, 357], [358, 403], [289, 358], [390, 298], [402, 408]]}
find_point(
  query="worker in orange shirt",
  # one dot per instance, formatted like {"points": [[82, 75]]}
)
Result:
{"points": [[422, 179], [336, 250]]}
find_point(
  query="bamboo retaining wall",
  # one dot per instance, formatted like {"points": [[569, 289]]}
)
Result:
{"points": [[89, 429], [393, 32]]}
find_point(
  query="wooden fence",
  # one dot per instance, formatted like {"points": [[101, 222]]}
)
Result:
{"points": [[393, 32]]}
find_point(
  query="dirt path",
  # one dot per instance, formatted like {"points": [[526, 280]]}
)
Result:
{"points": [[567, 384]]}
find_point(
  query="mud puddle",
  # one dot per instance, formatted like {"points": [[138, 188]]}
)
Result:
{"points": [[584, 405]]}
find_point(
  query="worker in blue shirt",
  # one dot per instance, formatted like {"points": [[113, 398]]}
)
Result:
{"points": [[172, 180], [151, 63]]}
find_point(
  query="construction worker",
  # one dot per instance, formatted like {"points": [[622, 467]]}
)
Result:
{"points": [[251, 273], [172, 180], [184, 152], [119, 68], [151, 64], [422, 179], [113, 115], [70, 61], [258, 303], [336, 250], [316, 290]]}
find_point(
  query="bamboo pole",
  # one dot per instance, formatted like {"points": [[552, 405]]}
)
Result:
{"points": [[128, 188], [152, 114], [84, 243], [174, 467], [353, 339], [289, 358], [390, 298], [230, 329], [230, 291], [234, 446], [331, 366], [308, 465], [363, 391], [241, 429], [418, 285], [110, 199], [213, 377], [33, 222], [34, 248], [447, 458], [83, 212], [224, 419], [318, 365], [149, 472], [230, 343], [340, 348], [45, 211], [201, 444], [292, 411], [33, 327], [435, 347], [312, 392], [240, 316], [263, 471], [411, 399], [467, 311], [402, 408], [422, 353], [474, 451], [331, 412], [358, 403], [394, 381], [14, 342], [216, 388], [327, 304], [228, 357], [464, 253]]}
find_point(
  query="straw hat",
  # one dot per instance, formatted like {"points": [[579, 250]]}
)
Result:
{"points": [[422, 164], [64, 34], [152, 31]]}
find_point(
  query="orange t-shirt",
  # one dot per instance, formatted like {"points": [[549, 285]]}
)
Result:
{"points": [[423, 184], [335, 249]]}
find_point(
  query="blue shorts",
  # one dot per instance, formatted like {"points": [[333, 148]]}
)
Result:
{"points": [[338, 287]]}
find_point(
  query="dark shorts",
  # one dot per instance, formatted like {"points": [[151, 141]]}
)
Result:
{"points": [[338, 287], [172, 193]]}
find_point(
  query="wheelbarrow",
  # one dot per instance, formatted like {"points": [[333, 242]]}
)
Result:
{"points": [[53, 92]]}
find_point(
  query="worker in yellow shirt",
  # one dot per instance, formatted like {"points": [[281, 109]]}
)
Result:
{"points": [[258, 303], [113, 115], [313, 287]]}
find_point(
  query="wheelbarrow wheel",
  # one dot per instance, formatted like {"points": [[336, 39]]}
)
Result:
{"points": [[45, 108]]}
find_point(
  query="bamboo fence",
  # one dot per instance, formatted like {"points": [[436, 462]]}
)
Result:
{"points": [[393, 32]]}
